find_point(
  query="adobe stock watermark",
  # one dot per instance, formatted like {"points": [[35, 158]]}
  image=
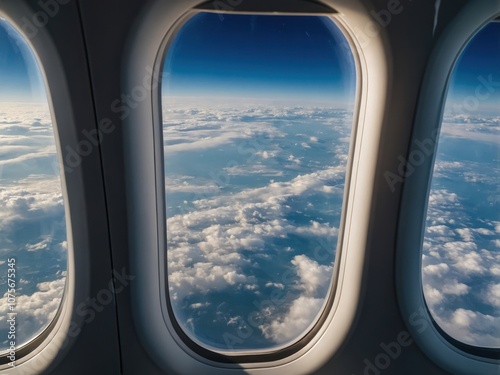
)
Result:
{"points": [[226, 5], [48, 10], [122, 107], [249, 148], [104, 297], [87, 311], [391, 351], [417, 157], [12, 313], [381, 19], [264, 308], [482, 92], [279, 296]]}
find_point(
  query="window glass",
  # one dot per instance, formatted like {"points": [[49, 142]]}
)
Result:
{"points": [[32, 221], [461, 254], [257, 119]]}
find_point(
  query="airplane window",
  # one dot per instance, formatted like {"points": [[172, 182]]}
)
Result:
{"points": [[461, 254], [257, 118], [32, 221]]}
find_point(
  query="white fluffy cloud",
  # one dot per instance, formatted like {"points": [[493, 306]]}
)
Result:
{"points": [[436, 269], [32, 223], [279, 196], [470, 263], [455, 288], [30, 188], [215, 234], [314, 283], [295, 322], [188, 129], [204, 277], [315, 278], [472, 127], [471, 327], [492, 295], [461, 260], [433, 296], [35, 311]]}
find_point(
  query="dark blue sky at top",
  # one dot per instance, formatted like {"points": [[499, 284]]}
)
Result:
{"points": [[479, 58], [260, 57], [20, 78]]}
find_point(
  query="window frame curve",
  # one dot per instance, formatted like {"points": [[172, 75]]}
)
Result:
{"points": [[447, 352], [25, 351], [243, 356], [144, 180], [48, 349]]}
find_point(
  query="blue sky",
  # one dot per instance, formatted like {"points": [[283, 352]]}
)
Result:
{"points": [[32, 219], [259, 181], [20, 78], [461, 251], [278, 225], [479, 59], [248, 56], [283, 196]]}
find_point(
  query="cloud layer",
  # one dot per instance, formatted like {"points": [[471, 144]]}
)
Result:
{"points": [[461, 257], [32, 219], [258, 242]]}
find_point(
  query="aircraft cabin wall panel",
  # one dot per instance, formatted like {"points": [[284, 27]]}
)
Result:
{"points": [[97, 69], [58, 44]]}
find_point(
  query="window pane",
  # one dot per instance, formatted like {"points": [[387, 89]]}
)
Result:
{"points": [[32, 221], [257, 115], [461, 252]]}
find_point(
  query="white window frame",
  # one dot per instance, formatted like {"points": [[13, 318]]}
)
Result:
{"points": [[47, 350], [145, 189], [447, 353]]}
